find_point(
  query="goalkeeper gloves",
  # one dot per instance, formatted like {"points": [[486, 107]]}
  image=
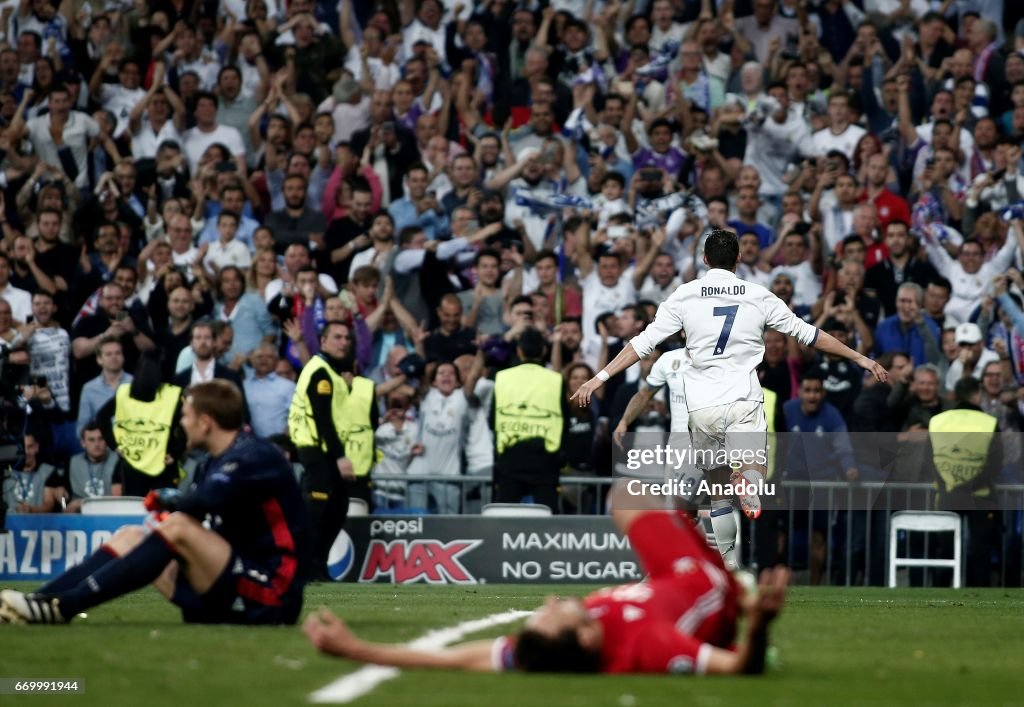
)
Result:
{"points": [[163, 500]]}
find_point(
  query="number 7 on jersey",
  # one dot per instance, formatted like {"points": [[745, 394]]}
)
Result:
{"points": [[730, 316]]}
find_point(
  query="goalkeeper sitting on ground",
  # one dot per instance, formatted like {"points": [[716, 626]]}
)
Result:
{"points": [[249, 568]]}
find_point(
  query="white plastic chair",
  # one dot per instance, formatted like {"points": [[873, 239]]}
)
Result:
{"points": [[515, 510], [113, 506], [358, 507], [925, 522]]}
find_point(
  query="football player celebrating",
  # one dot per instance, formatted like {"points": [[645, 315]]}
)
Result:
{"points": [[248, 568], [682, 619], [724, 318]]}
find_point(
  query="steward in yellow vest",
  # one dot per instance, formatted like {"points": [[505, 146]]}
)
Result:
{"points": [[771, 405], [773, 516], [528, 417], [966, 452], [967, 455], [331, 422], [141, 422]]}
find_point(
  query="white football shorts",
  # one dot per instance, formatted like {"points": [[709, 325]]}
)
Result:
{"points": [[733, 435]]}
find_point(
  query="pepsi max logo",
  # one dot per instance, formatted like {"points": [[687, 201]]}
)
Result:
{"points": [[396, 528], [341, 557]]}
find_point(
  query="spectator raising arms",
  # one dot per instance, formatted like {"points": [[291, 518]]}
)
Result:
{"points": [[199, 192]]}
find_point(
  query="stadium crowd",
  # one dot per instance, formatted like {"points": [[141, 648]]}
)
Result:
{"points": [[209, 183]]}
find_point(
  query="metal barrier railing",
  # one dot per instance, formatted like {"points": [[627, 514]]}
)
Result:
{"points": [[835, 531]]}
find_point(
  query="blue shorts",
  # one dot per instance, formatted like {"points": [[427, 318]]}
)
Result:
{"points": [[247, 592]]}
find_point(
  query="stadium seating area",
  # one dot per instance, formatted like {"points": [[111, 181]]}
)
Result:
{"points": [[444, 175]]}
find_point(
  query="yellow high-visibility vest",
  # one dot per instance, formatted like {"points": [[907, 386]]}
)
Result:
{"points": [[528, 405], [143, 430], [301, 425], [354, 426], [960, 443], [770, 403]]}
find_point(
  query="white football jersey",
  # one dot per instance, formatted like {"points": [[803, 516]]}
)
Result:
{"points": [[442, 432], [724, 319], [846, 142], [668, 370]]}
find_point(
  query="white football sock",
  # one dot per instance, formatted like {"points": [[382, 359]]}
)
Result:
{"points": [[724, 525]]}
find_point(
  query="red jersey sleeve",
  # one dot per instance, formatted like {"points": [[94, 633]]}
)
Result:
{"points": [[663, 649]]}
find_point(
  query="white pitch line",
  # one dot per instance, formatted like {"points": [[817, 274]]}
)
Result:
{"points": [[363, 681]]}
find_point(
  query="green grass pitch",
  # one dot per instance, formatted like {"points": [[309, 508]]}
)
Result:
{"points": [[836, 647]]}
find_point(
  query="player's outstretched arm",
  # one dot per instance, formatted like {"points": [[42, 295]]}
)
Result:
{"points": [[626, 358], [749, 659], [666, 323], [826, 343], [331, 635]]}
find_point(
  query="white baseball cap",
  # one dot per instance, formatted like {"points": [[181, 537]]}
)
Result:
{"points": [[968, 333]]}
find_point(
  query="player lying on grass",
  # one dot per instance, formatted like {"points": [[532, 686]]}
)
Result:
{"points": [[682, 619], [249, 568]]}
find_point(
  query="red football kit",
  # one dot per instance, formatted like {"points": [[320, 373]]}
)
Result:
{"points": [[668, 623]]}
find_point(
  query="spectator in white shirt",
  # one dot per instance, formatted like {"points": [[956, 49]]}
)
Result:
{"points": [[396, 436], [972, 358], [179, 231], [226, 250], [662, 280], [840, 134], [76, 130], [425, 27], [118, 97], [774, 141], [297, 257], [836, 209], [665, 32], [151, 122], [49, 348], [798, 254], [757, 31], [189, 56], [207, 132], [252, 65], [368, 55], [608, 286], [750, 267], [969, 273]]}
